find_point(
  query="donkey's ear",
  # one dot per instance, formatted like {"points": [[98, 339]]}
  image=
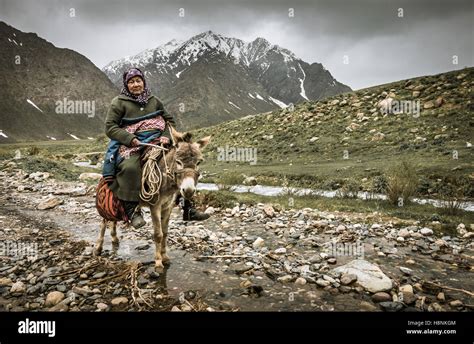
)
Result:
{"points": [[177, 136], [187, 137], [204, 142]]}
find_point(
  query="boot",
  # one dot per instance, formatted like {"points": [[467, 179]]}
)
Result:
{"points": [[192, 214], [134, 214]]}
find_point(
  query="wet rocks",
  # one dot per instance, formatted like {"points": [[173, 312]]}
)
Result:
{"points": [[403, 233], [285, 279], [90, 176], [381, 297], [369, 276], [367, 307], [82, 291], [121, 300], [300, 281], [461, 229], [53, 298], [259, 242], [426, 231], [406, 293], [102, 306], [210, 210], [280, 250], [5, 282], [347, 279], [18, 287], [456, 303], [269, 211], [405, 270], [322, 282], [250, 181], [50, 203], [391, 306], [240, 268], [39, 176], [99, 275]]}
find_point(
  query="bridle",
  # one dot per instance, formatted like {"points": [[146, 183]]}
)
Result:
{"points": [[152, 176]]}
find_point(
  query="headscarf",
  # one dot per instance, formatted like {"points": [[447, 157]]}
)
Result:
{"points": [[142, 98]]}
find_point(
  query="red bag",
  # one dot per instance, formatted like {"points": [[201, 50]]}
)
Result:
{"points": [[107, 204]]}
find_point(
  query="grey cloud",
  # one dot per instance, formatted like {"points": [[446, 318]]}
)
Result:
{"points": [[381, 46]]}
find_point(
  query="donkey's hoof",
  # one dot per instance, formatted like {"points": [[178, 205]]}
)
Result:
{"points": [[97, 251], [116, 243], [165, 259], [159, 267]]}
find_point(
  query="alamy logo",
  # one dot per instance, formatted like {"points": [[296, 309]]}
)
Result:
{"points": [[37, 327], [242, 154], [67, 106]]}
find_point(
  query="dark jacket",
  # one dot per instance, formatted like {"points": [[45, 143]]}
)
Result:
{"points": [[125, 111]]}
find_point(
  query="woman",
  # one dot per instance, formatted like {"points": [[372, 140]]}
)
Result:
{"points": [[136, 116]]}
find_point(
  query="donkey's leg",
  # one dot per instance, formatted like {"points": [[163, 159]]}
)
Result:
{"points": [[157, 235], [113, 232], [100, 241], [165, 218]]}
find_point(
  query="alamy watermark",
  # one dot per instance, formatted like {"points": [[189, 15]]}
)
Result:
{"points": [[346, 249], [18, 249], [66, 106], [243, 154], [393, 106]]}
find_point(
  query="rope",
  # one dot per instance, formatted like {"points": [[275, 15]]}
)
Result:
{"points": [[152, 177]]}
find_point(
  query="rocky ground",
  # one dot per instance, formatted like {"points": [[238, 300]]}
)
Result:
{"points": [[262, 257]]}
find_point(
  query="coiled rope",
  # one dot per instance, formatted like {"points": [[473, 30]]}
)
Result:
{"points": [[152, 177]]}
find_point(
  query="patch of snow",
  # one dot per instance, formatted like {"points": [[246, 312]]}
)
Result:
{"points": [[210, 79], [51, 138], [30, 102], [73, 136], [259, 97], [226, 110], [179, 73], [15, 42], [3, 134], [250, 95], [234, 105], [90, 138], [303, 92], [278, 102]]}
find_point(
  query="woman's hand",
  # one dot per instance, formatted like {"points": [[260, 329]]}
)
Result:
{"points": [[164, 140], [135, 142]]}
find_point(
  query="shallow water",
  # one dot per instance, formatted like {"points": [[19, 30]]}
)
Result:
{"points": [[278, 190]]}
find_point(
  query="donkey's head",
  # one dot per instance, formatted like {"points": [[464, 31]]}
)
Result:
{"points": [[188, 158]]}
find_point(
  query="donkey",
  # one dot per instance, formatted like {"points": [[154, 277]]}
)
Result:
{"points": [[182, 160]]}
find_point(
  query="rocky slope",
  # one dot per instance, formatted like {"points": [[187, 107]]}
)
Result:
{"points": [[427, 120], [36, 76]]}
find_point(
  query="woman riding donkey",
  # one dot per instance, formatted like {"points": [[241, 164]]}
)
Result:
{"points": [[134, 118]]}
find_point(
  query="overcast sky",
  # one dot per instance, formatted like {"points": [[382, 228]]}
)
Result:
{"points": [[381, 44]]}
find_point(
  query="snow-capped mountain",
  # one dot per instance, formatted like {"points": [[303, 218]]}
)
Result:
{"points": [[211, 78]]}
